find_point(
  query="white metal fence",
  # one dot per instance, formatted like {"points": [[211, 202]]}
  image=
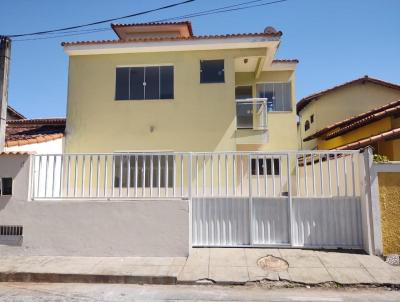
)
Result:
{"points": [[205, 174], [305, 198]]}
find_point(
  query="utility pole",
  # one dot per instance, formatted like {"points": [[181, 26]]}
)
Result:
{"points": [[5, 55]]}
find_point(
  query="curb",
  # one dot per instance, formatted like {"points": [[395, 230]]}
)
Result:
{"points": [[85, 278]]}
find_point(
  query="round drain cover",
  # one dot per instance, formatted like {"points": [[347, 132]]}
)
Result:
{"points": [[272, 263]]}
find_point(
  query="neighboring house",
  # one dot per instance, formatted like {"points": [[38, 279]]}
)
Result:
{"points": [[323, 109], [378, 128], [158, 87], [33, 135]]}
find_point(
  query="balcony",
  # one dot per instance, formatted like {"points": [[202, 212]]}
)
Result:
{"points": [[251, 114]]}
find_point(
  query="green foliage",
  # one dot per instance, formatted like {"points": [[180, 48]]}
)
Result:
{"points": [[380, 158]]}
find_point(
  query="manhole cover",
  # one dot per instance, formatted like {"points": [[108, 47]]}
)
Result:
{"points": [[272, 263]]}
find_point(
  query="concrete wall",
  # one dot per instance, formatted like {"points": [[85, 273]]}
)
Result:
{"points": [[91, 228], [389, 192], [341, 104]]}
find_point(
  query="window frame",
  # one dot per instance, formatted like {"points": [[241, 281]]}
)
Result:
{"points": [[144, 66], [200, 71], [277, 82]]}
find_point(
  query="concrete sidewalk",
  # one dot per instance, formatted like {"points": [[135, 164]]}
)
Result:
{"points": [[239, 265], [209, 265]]}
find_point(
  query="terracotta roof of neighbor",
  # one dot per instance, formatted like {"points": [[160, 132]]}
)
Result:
{"points": [[15, 112], [305, 101], [160, 39], [357, 121], [31, 131], [391, 134], [188, 23], [16, 153]]}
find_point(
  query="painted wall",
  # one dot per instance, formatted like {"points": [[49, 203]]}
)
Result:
{"points": [[344, 103], [389, 191], [16, 167], [90, 228], [50, 147], [201, 117]]}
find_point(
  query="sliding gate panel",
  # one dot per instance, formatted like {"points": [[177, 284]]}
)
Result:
{"points": [[220, 221], [270, 221]]}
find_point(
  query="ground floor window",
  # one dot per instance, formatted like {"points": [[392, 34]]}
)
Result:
{"points": [[270, 166], [148, 170]]}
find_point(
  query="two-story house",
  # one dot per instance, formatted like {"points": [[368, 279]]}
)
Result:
{"points": [[159, 87]]}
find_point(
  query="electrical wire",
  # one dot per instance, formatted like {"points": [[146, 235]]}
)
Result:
{"points": [[224, 9], [102, 21]]}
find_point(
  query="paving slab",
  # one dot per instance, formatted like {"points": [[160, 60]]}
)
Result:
{"points": [[333, 259], [300, 261], [229, 274], [296, 252], [253, 255], [228, 257], [352, 275], [198, 257], [385, 276], [193, 273], [257, 274], [309, 275]]}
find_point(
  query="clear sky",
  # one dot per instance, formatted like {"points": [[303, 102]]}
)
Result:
{"points": [[335, 40]]}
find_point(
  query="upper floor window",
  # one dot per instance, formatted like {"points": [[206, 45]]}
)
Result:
{"points": [[306, 125], [312, 118], [212, 71], [144, 83], [279, 95]]}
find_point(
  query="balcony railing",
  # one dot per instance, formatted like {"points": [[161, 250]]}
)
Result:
{"points": [[251, 113]]}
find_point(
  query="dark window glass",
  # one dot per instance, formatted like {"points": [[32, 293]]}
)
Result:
{"points": [[167, 82], [279, 95], [261, 168], [312, 118], [243, 92], [306, 125], [212, 71], [152, 83], [137, 80], [122, 84], [6, 186]]}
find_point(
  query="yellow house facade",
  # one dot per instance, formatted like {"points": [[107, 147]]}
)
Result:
{"points": [[160, 88], [197, 115], [323, 109]]}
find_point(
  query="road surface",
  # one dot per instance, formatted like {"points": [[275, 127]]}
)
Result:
{"points": [[62, 292]]}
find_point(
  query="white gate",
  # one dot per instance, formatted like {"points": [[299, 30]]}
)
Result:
{"points": [[300, 199]]}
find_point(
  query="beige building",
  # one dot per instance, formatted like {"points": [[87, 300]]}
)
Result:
{"points": [[159, 87], [323, 109]]}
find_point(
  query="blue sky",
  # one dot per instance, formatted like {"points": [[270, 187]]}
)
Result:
{"points": [[335, 40]]}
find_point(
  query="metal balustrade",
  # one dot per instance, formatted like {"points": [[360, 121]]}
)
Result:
{"points": [[251, 113], [139, 175]]}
